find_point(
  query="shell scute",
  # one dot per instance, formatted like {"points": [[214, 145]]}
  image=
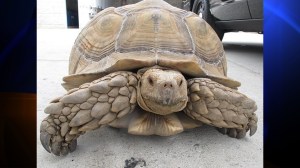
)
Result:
{"points": [[146, 34]]}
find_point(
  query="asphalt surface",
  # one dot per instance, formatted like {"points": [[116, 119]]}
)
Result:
{"points": [[113, 148]]}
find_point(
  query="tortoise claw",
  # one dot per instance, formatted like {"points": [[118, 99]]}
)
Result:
{"points": [[73, 145], [241, 134], [64, 150], [232, 133], [223, 130], [253, 129], [56, 148], [45, 140]]}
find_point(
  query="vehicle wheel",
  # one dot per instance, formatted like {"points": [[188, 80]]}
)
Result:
{"points": [[204, 12]]}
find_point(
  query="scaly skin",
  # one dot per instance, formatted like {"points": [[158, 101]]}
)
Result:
{"points": [[87, 108], [220, 106], [111, 97]]}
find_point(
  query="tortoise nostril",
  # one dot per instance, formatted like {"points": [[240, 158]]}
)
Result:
{"points": [[169, 85], [150, 80]]}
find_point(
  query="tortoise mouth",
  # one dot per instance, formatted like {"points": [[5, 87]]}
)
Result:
{"points": [[164, 106], [165, 101]]}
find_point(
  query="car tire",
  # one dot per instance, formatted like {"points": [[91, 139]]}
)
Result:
{"points": [[204, 12]]}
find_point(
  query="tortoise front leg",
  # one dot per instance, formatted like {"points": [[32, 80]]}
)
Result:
{"points": [[222, 107], [87, 108]]}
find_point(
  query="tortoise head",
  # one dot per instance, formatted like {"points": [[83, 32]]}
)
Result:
{"points": [[162, 91]]}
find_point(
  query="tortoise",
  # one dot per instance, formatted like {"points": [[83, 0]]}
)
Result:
{"points": [[152, 69]]}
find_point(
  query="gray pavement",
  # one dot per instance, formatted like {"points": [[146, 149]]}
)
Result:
{"points": [[109, 148]]}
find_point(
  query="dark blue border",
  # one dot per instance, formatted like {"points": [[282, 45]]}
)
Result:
{"points": [[281, 86], [18, 46], [18, 83]]}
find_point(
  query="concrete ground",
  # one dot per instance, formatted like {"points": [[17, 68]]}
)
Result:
{"points": [[110, 148]]}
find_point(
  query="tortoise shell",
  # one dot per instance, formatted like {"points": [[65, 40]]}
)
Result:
{"points": [[146, 34]]}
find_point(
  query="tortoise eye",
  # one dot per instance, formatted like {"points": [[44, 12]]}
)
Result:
{"points": [[150, 80], [180, 83]]}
